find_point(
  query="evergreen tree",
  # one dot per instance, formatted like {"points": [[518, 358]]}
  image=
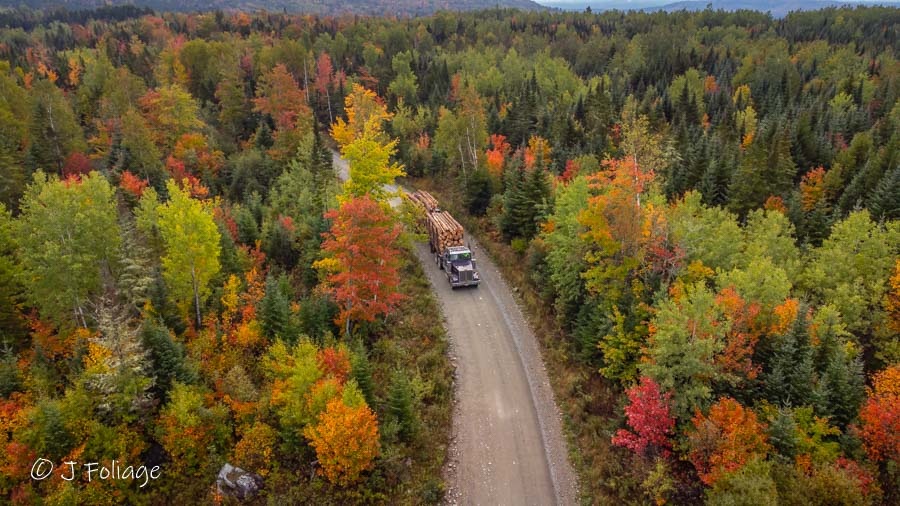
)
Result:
{"points": [[864, 187], [782, 432], [12, 326], [400, 405], [790, 378], [10, 380], [885, 202], [478, 193], [118, 371], [766, 170], [516, 220], [275, 311], [167, 357], [361, 370], [247, 227]]}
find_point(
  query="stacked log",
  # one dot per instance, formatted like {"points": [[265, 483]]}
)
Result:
{"points": [[424, 200], [443, 230]]}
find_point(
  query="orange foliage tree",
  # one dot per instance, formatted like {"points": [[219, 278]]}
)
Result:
{"points": [[279, 96], [725, 440], [880, 416], [496, 155], [812, 188], [346, 441], [361, 261]]}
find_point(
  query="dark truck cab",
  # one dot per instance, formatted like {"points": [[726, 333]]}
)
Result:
{"points": [[459, 264]]}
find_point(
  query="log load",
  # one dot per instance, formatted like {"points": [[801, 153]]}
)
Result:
{"points": [[424, 200], [443, 230]]}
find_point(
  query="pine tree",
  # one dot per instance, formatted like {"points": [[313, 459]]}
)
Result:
{"points": [[247, 228], [10, 381], [12, 326], [53, 130], [537, 198]]}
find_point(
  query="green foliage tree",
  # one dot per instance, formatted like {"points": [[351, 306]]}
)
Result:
{"points": [[750, 485], [69, 242], [53, 129], [850, 271], [683, 348]]}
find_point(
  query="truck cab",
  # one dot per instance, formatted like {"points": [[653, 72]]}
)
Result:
{"points": [[459, 264]]}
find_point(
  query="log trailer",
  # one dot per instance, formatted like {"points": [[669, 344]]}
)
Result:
{"points": [[445, 239]]}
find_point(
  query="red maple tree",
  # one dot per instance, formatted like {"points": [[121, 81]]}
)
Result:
{"points": [[362, 261], [650, 418], [880, 416]]}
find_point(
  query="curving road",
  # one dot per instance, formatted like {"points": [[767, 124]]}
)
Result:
{"points": [[507, 446]]}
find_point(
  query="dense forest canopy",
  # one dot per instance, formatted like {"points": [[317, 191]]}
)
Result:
{"points": [[709, 202], [316, 7]]}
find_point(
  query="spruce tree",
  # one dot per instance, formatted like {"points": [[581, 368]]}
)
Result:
{"points": [[275, 310], [886, 199], [782, 432], [842, 387], [516, 218], [361, 370], [791, 374], [167, 358], [400, 405]]}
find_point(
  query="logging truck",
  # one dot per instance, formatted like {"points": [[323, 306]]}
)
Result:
{"points": [[445, 239]]}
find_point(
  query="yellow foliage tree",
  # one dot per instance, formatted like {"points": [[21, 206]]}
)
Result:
{"points": [[366, 146]]}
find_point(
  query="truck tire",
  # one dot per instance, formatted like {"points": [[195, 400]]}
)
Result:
{"points": [[437, 260]]}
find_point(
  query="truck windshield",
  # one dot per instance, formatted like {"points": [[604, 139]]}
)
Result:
{"points": [[457, 257]]}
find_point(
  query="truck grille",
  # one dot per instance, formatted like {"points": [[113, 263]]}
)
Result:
{"points": [[465, 276]]}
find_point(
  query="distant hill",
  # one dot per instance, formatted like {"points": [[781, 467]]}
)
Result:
{"points": [[776, 7], [322, 7]]}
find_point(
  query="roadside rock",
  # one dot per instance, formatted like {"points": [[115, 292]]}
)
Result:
{"points": [[238, 483]]}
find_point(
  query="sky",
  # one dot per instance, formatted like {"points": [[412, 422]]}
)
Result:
{"points": [[636, 4]]}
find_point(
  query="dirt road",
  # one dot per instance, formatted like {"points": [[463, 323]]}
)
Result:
{"points": [[508, 446]]}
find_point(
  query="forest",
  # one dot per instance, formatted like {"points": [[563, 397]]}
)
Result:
{"points": [[701, 208]]}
